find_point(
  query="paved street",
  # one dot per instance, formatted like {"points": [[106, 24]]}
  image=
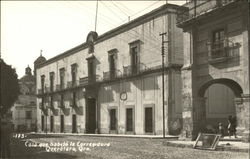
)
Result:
{"points": [[80, 147]]}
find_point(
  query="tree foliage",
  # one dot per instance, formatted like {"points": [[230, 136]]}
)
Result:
{"points": [[9, 87]]}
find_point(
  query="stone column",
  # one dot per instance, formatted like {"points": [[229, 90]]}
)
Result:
{"points": [[242, 114]]}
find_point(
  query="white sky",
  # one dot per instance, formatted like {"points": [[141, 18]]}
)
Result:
{"points": [[57, 26]]}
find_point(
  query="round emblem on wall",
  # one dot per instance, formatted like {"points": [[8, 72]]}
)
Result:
{"points": [[123, 96]]}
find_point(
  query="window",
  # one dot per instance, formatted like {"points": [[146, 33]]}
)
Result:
{"points": [[62, 75], [42, 83], [74, 99], [73, 73], [51, 101], [62, 100], [91, 71], [42, 103], [134, 53], [112, 63], [218, 43], [28, 114], [51, 78]]}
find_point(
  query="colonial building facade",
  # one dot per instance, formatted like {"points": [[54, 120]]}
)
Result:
{"points": [[112, 83], [215, 75], [24, 110]]}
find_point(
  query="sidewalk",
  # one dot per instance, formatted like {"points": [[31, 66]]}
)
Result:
{"points": [[236, 146], [109, 135]]}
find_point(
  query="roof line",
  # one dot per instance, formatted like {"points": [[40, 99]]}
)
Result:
{"points": [[113, 32]]}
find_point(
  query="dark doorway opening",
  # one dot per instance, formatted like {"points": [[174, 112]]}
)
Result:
{"points": [[113, 121], [51, 123], [148, 120], [129, 119], [42, 123], [62, 124], [91, 115], [74, 124]]}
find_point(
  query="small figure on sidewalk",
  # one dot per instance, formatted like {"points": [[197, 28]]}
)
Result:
{"points": [[231, 126], [221, 129]]}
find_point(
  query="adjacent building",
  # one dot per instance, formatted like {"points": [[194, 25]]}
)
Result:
{"points": [[215, 75], [112, 83], [24, 110]]}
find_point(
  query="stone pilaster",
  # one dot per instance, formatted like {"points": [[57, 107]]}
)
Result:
{"points": [[243, 116]]}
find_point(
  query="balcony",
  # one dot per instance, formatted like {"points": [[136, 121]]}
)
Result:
{"points": [[40, 91], [60, 87], [73, 103], [41, 106], [202, 8], [73, 84], [133, 70], [51, 106], [89, 80], [61, 104], [111, 75], [222, 50]]}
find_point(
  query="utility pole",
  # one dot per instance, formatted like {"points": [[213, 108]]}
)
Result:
{"points": [[163, 86], [96, 14]]}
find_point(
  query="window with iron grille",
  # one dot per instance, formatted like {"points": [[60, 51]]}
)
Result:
{"points": [[134, 55], [112, 62], [62, 76], [51, 78], [42, 83], [218, 44], [62, 100], [73, 73]]}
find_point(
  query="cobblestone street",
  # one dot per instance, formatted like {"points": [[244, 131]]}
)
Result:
{"points": [[115, 148]]}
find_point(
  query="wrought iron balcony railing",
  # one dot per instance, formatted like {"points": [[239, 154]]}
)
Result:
{"points": [[73, 84], [112, 75], [61, 104], [60, 87], [222, 49], [72, 103], [133, 70], [200, 8], [41, 106], [89, 80]]}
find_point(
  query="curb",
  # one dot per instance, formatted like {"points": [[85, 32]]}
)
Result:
{"points": [[104, 135], [218, 148]]}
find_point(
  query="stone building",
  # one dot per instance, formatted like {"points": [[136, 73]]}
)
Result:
{"points": [[215, 75], [112, 83], [24, 110]]}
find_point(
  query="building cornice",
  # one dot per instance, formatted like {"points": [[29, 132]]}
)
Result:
{"points": [[118, 30]]}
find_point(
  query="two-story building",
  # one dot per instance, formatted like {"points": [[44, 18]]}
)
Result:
{"points": [[112, 83], [215, 75]]}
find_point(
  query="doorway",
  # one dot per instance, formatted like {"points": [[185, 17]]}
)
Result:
{"points": [[51, 123], [91, 115], [149, 120], [113, 120], [129, 120], [42, 123], [62, 124], [74, 124]]}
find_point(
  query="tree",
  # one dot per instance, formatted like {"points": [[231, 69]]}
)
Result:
{"points": [[9, 87]]}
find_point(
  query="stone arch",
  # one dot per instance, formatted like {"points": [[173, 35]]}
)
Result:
{"points": [[227, 107], [235, 87]]}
